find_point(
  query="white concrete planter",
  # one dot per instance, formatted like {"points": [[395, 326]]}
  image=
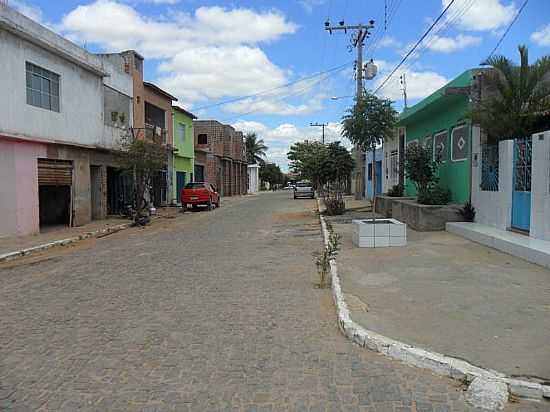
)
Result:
{"points": [[381, 233]]}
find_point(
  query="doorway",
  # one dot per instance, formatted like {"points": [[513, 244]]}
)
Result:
{"points": [[54, 204], [95, 191], [180, 183]]}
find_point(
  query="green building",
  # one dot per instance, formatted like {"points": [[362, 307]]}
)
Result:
{"points": [[184, 149], [440, 122]]}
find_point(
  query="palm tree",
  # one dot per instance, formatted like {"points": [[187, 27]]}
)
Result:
{"points": [[255, 148], [518, 97]]}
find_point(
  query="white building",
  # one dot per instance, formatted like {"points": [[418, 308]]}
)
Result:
{"points": [[253, 178], [57, 126], [511, 196], [392, 157]]}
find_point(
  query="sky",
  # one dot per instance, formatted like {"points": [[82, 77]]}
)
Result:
{"points": [[269, 66]]}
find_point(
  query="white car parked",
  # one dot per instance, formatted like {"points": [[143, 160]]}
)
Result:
{"points": [[304, 189]]}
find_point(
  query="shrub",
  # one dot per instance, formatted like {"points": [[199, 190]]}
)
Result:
{"points": [[434, 195], [419, 167], [468, 212], [335, 206], [396, 191]]}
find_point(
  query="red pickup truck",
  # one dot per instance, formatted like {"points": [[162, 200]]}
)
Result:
{"points": [[200, 194]]}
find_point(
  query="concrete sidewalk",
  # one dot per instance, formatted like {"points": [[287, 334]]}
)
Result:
{"points": [[453, 296], [50, 235]]}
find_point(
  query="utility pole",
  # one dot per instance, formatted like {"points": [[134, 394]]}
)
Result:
{"points": [[404, 83], [358, 41], [320, 125]]}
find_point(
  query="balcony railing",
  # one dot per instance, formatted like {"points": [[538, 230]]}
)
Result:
{"points": [[156, 133]]}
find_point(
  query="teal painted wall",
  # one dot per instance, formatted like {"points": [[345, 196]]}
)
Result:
{"points": [[441, 116], [184, 157]]}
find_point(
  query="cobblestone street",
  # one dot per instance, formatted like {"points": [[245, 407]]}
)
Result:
{"points": [[211, 311]]}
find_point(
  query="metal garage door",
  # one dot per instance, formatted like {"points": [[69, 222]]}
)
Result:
{"points": [[52, 172]]}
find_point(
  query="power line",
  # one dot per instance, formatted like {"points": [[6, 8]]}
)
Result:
{"points": [[280, 98], [236, 99], [415, 46], [449, 22], [507, 29]]}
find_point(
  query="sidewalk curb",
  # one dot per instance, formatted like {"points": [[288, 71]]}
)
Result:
{"points": [[414, 356], [63, 242]]}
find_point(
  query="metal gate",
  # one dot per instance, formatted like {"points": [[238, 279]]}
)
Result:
{"points": [[521, 190], [53, 172]]}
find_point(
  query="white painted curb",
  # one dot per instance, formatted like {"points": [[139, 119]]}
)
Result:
{"points": [[28, 251], [411, 355]]}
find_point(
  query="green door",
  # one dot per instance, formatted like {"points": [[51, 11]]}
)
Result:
{"points": [[180, 183]]}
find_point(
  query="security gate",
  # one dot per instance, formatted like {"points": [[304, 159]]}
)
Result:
{"points": [[521, 190]]}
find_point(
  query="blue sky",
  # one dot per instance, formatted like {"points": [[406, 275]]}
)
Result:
{"points": [[209, 51]]}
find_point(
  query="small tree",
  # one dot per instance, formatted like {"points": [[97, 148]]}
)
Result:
{"points": [[369, 123], [419, 166], [143, 159], [334, 172]]}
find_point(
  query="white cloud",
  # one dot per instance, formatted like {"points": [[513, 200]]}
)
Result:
{"points": [[388, 41], [420, 84], [451, 44], [481, 15], [280, 138], [211, 53], [309, 5], [32, 12], [542, 36]]}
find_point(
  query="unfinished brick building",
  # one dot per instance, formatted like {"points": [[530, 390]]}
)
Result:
{"points": [[219, 157]]}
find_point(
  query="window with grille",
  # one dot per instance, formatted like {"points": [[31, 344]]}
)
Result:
{"points": [[489, 167], [42, 87], [459, 143], [202, 139], [440, 149]]}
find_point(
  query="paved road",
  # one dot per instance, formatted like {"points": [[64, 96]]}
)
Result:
{"points": [[212, 311]]}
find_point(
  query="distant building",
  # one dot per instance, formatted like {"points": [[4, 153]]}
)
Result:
{"points": [[220, 157], [253, 178]]}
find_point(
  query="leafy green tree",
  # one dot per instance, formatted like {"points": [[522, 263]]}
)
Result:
{"points": [[369, 123], [306, 159], [518, 100], [255, 148], [271, 173]]}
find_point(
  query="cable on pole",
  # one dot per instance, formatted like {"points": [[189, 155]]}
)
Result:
{"points": [[507, 30], [415, 46]]}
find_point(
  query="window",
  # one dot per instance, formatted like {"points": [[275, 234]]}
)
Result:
{"points": [[202, 139], [428, 142], [116, 108], [440, 147], [459, 140], [181, 133], [42, 88], [194, 185]]}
